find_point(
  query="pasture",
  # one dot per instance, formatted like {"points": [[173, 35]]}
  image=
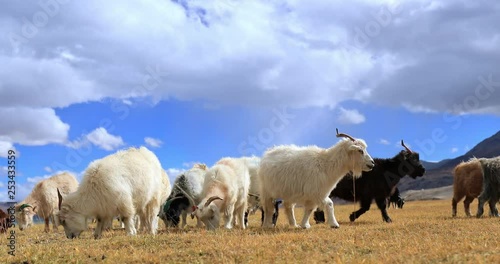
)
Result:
{"points": [[422, 232]]}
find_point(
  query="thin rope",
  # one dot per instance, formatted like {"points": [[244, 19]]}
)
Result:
{"points": [[185, 193], [354, 204]]}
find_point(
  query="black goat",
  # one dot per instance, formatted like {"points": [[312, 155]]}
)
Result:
{"points": [[491, 186], [377, 184], [396, 200], [275, 213], [173, 209]]}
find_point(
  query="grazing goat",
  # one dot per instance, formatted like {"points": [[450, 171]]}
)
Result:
{"points": [[125, 183], [42, 200], [379, 183], [491, 186], [275, 213], [225, 191], [306, 175], [4, 221], [468, 183], [186, 193], [396, 200], [253, 164]]}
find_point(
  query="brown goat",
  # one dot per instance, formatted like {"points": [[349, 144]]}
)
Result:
{"points": [[4, 221], [468, 182]]}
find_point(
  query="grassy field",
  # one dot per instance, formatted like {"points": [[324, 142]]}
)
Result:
{"points": [[422, 232]]}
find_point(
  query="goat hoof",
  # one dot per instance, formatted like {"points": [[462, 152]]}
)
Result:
{"points": [[352, 217], [335, 226]]}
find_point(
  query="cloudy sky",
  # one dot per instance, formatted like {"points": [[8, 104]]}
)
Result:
{"points": [[199, 80]]}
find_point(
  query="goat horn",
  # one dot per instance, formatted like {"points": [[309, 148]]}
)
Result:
{"points": [[59, 199], [186, 194], [344, 135], [211, 199], [167, 204], [403, 144], [24, 206]]}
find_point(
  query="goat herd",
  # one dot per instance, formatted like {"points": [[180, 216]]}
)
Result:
{"points": [[132, 185]]}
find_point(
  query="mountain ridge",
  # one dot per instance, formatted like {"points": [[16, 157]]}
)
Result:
{"points": [[439, 174]]}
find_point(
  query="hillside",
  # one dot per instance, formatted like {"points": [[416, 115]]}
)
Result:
{"points": [[441, 193], [439, 174], [5, 205]]}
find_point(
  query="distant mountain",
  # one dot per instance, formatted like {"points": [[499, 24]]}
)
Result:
{"points": [[4, 206], [434, 165], [487, 148], [439, 174]]}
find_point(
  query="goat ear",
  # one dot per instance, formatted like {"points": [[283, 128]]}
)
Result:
{"points": [[60, 198], [210, 211], [34, 209]]}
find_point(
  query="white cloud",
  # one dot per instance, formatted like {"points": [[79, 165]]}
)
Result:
{"points": [[100, 138], [47, 169], [36, 179], [279, 52], [22, 190], [127, 102], [4, 148], [350, 116], [454, 150], [31, 126], [49, 82], [153, 142], [384, 141], [3, 171]]}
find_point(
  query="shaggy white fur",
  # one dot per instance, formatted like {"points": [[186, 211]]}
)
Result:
{"points": [[225, 191], [43, 200], [307, 175], [126, 183]]}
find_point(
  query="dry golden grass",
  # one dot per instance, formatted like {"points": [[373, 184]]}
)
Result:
{"points": [[422, 232]]}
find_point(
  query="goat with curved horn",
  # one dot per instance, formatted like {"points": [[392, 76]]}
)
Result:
{"points": [[186, 191], [229, 181], [211, 199], [344, 135], [24, 206], [403, 144], [169, 202], [186, 194]]}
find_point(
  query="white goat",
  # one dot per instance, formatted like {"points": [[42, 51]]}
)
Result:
{"points": [[225, 191], [307, 175], [137, 222], [126, 183], [43, 200]]}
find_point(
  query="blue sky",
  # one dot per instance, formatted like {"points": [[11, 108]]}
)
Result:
{"points": [[196, 81]]}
